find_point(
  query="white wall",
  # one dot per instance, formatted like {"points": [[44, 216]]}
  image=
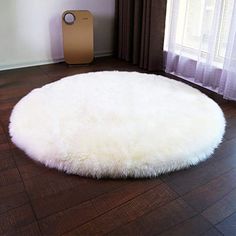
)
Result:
{"points": [[30, 30]]}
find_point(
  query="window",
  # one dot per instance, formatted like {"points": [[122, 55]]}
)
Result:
{"points": [[201, 26]]}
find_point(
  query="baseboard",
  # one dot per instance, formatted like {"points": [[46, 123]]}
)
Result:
{"points": [[29, 64], [46, 62], [103, 54]]}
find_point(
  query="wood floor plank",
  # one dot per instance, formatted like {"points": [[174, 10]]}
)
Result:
{"points": [[16, 218], [51, 183], [1, 130], [4, 119], [228, 226], [64, 221], [230, 133], [158, 220], [84, 191], [194, 226], [7, 105], [20, 157], [9, 176], [12, 189], [28, 76], [13, 201], [28, 230], [4, 147], [61, 70], [221, 209], [28, 168], [119, 196], [6, 160], [127, 212], [3, 138], [208, 194], [212, 232], [186, 180], [32, 170], [14, 92]]}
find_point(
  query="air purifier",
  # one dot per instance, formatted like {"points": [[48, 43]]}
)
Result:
{"points": [[77, 27]]}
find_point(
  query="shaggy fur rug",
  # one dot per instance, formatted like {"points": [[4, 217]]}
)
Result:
{"points": [[117, 124]]}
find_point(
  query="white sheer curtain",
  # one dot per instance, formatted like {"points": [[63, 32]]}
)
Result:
{"points": [[200, 43]]}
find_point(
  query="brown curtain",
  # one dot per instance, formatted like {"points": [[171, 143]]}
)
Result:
{"points": [[141, 25]]}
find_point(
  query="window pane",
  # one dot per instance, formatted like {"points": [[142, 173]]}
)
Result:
{"points": [[224, 28], [202, 27], [194, 23]]}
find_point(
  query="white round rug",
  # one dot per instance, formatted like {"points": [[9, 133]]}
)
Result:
{"points": [[117, 124]]}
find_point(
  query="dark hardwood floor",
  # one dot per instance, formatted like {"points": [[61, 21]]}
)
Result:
{"points": [[35, 200]]}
